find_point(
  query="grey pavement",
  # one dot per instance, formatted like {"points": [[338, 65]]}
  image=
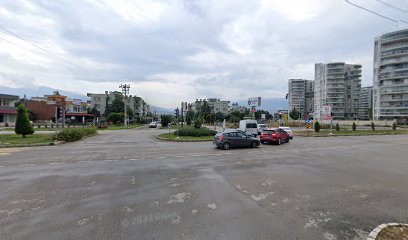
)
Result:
{"points": [[126, 184]]}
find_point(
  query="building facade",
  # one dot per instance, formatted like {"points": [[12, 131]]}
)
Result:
{"points": [[366, 103], [301, 96], [215, 104], [8, 111], [235, 107], [390, 84], [337, 85], [100, 100]]}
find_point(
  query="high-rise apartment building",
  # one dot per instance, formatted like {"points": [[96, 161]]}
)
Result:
{"points": [[366, 103], [390, 86], [301, 96], [337, 85]]}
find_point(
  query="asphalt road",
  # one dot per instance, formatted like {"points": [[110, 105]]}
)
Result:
{"points": [[127, 185]]}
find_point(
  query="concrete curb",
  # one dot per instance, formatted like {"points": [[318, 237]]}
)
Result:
{"points": [[349, 135], [373, 235], [171, 140], [30, 145]]}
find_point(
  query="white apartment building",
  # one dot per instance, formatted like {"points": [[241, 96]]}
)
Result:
{"points": [[366, 103], [215, 104], [337, 85], [390, 84], [99, 101], [301, 96]]}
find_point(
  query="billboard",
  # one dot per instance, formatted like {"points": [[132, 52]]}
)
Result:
{"points": [[254, 102], [326, 113]]}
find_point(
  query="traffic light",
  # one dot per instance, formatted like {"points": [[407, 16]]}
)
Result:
{"points": [[280, 115], [331, 114], [176, 112]]}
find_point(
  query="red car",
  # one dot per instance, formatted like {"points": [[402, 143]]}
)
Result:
{"points": [[274, 135]]}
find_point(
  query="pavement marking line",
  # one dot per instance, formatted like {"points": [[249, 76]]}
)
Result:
{"points": [[84, 162], [56, 163], [133, 159], [26, 165], [2, 166], [110, 160]]}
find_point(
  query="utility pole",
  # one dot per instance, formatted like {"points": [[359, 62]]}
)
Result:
{"points": [[125, 91]]}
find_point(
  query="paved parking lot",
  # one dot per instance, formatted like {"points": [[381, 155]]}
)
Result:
{"points": [[128, 185]]}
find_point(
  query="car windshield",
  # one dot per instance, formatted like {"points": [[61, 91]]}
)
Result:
{"points": [[203, 119]]}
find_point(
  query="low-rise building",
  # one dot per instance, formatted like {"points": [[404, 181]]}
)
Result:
{"points": [[215, 104], [235, 107], [8, 111]]}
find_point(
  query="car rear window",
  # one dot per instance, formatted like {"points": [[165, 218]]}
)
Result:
{"points": [[251, 125], [268, 131]]}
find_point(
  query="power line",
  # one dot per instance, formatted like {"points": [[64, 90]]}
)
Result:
{"points": [[43, 49], [371, 11], [392, 6]]}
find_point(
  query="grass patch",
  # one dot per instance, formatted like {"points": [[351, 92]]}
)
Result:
{"points": [[393, 233], [29, 139], [173, 137], [351, 133]]}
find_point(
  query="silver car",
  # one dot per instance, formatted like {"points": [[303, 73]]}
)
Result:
{"points": [[289, 131]]}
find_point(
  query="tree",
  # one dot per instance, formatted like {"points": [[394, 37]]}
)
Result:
{"points": [[219, 116], [370, 113], [258, 114], [205, 108], [23, 125], [394, 126], [294, 114], [117, 105], [373, 126], [94, 112], [337, 127], [165, 120], [198, 122], [317, 126], [116, 117], [189, 117], [354, 126]]}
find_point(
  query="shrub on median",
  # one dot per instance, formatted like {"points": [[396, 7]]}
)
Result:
{"points": [[74, 134], [195, 132]]}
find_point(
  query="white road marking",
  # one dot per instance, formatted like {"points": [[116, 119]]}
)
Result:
{"points": [[133, 180], [56, 163], [2, 166], [26, 165], [110, 160], [212, 206], [179, 197], [84, 162]]}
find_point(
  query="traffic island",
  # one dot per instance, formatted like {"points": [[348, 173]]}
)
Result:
{"points": [[389, 231], [14, 140], [172, 137]]}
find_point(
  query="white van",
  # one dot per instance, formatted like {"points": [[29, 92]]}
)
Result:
{"points": [[249, 127]]}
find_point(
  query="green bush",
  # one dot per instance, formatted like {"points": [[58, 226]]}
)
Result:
{"points": [[317, 126], [394, 126], [73, 134], [116, 117], [195, 132], [337, 127], [373, 126], [165, 120], [23, 125], [354, 126]]}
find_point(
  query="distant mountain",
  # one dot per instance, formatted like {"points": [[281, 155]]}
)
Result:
{"points": [[39, 92], [160, 110], [272, 105]]}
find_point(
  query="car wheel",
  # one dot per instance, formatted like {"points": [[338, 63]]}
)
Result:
{"points": [[226, 146], [279, 141], [262, 142], [254, 144], [288, 140]]}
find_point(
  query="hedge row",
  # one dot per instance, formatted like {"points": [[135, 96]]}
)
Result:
{"points": [[74, 134], [195, 132]]}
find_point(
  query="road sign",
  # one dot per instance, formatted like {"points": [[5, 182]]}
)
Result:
{"points": [[307, 121], [263, 116], [307, 125], [168, 125]]}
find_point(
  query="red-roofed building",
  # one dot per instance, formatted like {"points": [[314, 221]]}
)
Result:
{"points": [[8, 113]]}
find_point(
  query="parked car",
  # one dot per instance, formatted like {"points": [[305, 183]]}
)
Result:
{"points": [[260, 128], [288, 130], [249, 127], [235, 138], [274, 135], [153, 125]]}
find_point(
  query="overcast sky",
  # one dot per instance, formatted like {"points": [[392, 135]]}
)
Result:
{"points": [[173, 51]]}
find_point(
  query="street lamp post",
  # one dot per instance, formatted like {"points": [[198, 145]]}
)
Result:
{"points": [[125, 91]]}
